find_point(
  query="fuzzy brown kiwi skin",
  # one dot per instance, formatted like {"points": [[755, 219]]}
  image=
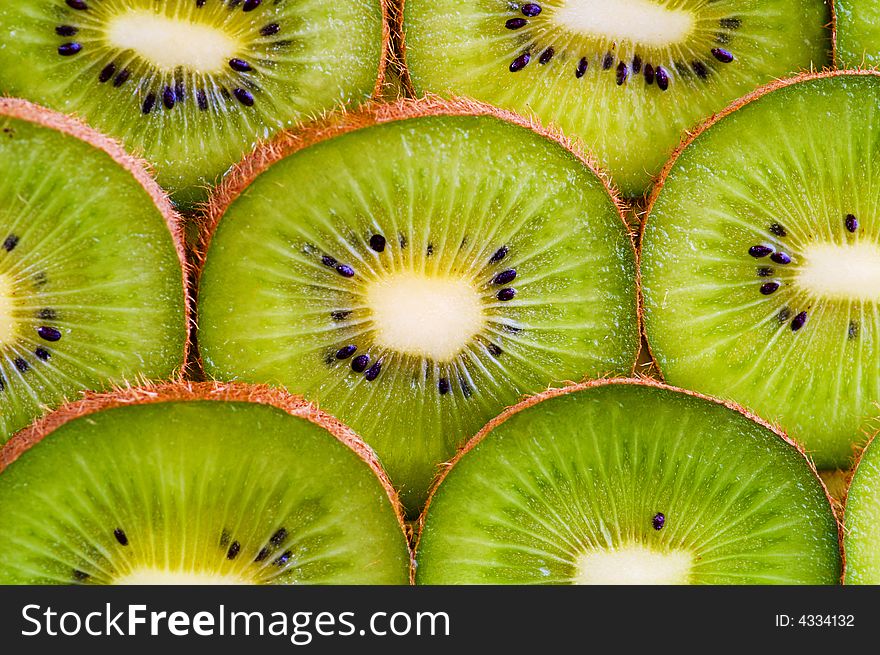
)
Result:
{"points": [[93, 402], [634, 382], [139, 169], [685, 143], [343, 122]]}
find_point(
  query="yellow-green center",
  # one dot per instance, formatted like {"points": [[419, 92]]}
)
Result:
{"points": [[841, 272], [154, 576], [426, 316], [646, 22], [634, 564]]}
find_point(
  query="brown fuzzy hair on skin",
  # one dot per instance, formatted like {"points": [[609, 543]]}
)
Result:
{"points": [[93, 403], [139, 169], [636, 382]]}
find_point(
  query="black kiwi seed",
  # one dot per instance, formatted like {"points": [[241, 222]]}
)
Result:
{"points": [[21, 365], [327, 260], [622, 73], [346, 351], [224, 538], [168, 97], [10, 242], [581, 69], [778, 230], [239, 65], [42, 354], [149, 102], [48, 333], [279, 537], [769, 288], [760, 251], [658, 521], [494, 350], [531, 9], [853, 330], [636, 65], [443, 386], [506, 294], [359, 364], [401, 240], [345, 271], [80, 576], [377, 243], [106, 73], [783, 315], [47, 314], [271, 29], [730, 23], [77, 4], [780, 258], [511, 328], [66, 30], [202, 100], [340, 315], [429, 251], [373, 372], [547, 55], [700, 69], [662, 78], [515, 23], [244, 97], [250, 5], [649, 74], [263, 554], [500, 254], [120, 536], [765, 272], [724, 56], [2, 383], [465, 388], [284, 558], [799, 321], [607, 61], [852, 223], [234, 550], [520, 62], [200, 3], [121, 78], [505, 277], [68, 49]]}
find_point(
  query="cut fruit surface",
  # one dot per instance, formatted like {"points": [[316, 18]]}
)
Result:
{"points": [[414, 270], [192, 85], [91, 273], [763, 247], [627, 77], [628, 482], [197, 484], [857, 33], [861, 525]]}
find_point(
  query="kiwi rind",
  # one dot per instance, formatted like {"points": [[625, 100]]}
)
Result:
{"points": [[632, 381]]}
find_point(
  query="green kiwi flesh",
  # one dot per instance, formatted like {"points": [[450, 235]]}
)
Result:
{"points": [[628, 77], [191, 85], [195, 485], [861, 524], [857, 32], [91, 275], [628, 482], [763, 247], [414, 270]]}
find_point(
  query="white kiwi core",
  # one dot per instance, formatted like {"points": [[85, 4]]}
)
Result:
{"points": [[646, 22], [169, 43], [7, 305], [634, 564], [152, 576], [427, 316], [841, 272]]}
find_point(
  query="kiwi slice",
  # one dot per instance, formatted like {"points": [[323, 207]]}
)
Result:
{"points": [[856, 33], [91, 266], [628, 482], [196, 484], [192, 84], [414, 269], [627, 77], [763, 247], [861, 527]]}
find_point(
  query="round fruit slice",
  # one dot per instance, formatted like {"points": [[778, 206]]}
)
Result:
{"points": [[763, 247], [856, 33], [627, 77], [91, 266], [192, 84], [628, 482], [861, 525], [196, 484], [414, 269]]}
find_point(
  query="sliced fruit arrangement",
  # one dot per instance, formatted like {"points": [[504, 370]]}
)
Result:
{"points": [[453, 260], [168, 484], [627, 77], [192, 84], [861, 526], [628, 482], [91, 266], [763, 247], [856, 33]]}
